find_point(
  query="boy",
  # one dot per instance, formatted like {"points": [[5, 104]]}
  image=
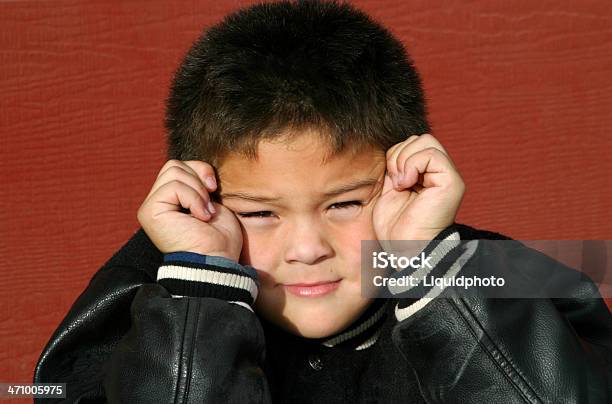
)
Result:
{"points": [[293, 136]]}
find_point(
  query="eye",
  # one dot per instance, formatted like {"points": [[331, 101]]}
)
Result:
{"points": [[344, 205], [262, 214]]}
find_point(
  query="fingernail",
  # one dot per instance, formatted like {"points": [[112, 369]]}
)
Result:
{"points": [[211, 207], [398, 179], [210, 181]]}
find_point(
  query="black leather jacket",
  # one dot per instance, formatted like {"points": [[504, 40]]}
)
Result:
{"points": [[127, 340]]}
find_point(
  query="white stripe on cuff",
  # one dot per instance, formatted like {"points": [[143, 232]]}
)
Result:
{"points": [[208, 276], [404, 313], [438, 253]]}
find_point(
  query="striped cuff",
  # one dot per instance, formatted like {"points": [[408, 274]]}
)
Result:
{"points": [[447, 259], [196, 275]]}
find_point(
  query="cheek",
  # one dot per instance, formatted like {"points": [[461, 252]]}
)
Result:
{"points": [[256, 251], [348, 240]]}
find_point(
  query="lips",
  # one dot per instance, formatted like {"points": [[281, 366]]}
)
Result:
{"points": [[315, 289]]}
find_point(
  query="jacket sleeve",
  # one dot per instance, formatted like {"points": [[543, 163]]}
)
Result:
{"points": [[159, 328], [194, 337], [468, 347]]}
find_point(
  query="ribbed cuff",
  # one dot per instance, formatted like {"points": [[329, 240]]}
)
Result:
{"points": [[443, 253], [197, 275], [444, 234]]}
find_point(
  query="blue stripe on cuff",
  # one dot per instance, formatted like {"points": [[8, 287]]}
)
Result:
{"points": [[201, 259]]}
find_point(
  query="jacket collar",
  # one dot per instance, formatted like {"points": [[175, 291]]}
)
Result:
{"points": [[360, 335]]}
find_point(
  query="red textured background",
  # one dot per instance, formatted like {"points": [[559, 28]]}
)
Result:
{"points": [[519, 93]]}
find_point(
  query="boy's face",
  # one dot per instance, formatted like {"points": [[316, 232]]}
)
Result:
{"points": [[305, 233]]}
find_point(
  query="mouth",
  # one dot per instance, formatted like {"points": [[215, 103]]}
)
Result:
{"points": [[312, 289]]}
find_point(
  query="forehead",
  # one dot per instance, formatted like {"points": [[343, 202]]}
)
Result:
{"points": [[304, 162]]}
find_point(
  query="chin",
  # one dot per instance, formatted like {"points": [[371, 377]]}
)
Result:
{"points": [[311, 318], [311, 329], [314, 322], [307, 323]]}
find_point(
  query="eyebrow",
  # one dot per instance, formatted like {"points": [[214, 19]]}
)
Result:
{"points": [[351, 186]]}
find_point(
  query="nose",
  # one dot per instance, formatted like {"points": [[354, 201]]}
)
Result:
{"points": [[307, 243]]}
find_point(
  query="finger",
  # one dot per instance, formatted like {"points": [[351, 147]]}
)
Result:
{"points": [[424, 142], [387, 184], [421, 143], [432, 141], [173, 195], [394, 152], [170, 163], [432, 164], [189, 178], [206, 174], [395, 149], [204, 171]]}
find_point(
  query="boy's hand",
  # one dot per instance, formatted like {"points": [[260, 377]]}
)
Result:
{"points": [[186, 184], [421, 193]]}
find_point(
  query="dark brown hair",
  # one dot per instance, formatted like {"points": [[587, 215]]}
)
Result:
{"points": [[278, 68]]}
